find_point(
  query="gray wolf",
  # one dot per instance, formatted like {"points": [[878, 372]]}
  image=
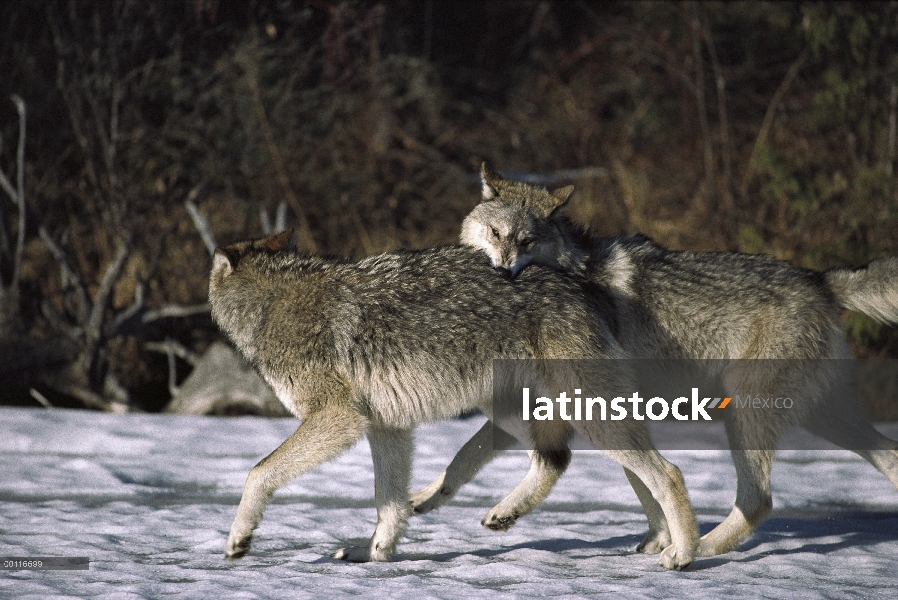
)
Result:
{"points": [[377, 346], [675, 305]]}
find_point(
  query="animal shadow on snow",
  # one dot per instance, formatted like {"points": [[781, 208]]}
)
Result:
{"points": [[613, 546], [851, 528], [822, 533]]}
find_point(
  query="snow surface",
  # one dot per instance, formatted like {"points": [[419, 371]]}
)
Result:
{"points": [[150, 498]]}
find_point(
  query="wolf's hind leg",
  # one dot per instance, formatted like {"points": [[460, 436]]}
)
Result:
{"points": [[391, 451], [658, 537], [753, 501], [470, 459], [545, 469], [753, 434], [323, 435]]}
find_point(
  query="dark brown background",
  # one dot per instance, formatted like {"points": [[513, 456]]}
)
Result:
{"points": [[758, 127]]}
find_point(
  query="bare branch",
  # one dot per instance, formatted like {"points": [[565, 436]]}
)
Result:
{"points": [[17, 195], [136, 306], [725, 150], [280, 219], [695, 22], [768, 119], [202, 226], [8, 187], [133, 318], [20, 184], [59, 254], [91, 398], [893, 126], [266, 222], [172, 372], [94, 326], [40, 398], [174, 310], [175, 348], [170, 348]]}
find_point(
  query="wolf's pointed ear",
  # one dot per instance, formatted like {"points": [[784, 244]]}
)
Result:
{"points": [[560, 197], [490, 180], [224, 261], [281, 242]]}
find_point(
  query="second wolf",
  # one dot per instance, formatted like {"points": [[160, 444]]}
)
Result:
{"points": [[684, 305]]}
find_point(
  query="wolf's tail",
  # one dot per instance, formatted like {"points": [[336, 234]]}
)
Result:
{"points": [[872, 290]]}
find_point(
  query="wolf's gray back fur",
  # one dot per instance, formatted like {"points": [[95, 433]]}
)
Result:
{"points": [[383, 344], [714, 305], [673, 304], [393, 322]]}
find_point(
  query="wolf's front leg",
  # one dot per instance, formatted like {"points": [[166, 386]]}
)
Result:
{"points": [[470, 459], [391, 450], [665, 483], [323, 435], [545, 469]]}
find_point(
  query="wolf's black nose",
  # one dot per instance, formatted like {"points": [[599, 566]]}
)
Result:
{"points": [[506, 273]]}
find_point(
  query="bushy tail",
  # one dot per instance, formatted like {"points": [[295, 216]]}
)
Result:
{"points": [[872, 290]]}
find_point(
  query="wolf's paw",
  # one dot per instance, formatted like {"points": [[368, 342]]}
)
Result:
{"points": [[654, 542], [427, 500], [360, 554], [499, 521], [237, 546], [675, 558]]}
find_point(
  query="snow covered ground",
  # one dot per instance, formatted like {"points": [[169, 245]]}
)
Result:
{"points": [[149, 499]]}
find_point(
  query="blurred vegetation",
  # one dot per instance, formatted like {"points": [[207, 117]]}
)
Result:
{"points": [[750, 126]]}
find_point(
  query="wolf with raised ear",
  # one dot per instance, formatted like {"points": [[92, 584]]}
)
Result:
{"points": [[377, 346], [514, 234], [685, 305]]}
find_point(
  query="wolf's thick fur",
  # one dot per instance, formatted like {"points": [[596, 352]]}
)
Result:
{"points": [[381, 345], [696, 306]]}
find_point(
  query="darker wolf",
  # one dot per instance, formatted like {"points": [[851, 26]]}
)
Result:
{"points": [[377, 346], [685, 305]]}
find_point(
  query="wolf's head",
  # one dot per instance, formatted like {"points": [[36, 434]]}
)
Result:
{"points": [[240, 281], [227, 259], [515, 223]]}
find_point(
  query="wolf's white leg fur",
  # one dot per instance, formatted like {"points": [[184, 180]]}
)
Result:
{"points": [[323, 435], [545, 469], [665, 483], [753, 501], [391, 450], [753, 440], [467, 463], [658, 537]]}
